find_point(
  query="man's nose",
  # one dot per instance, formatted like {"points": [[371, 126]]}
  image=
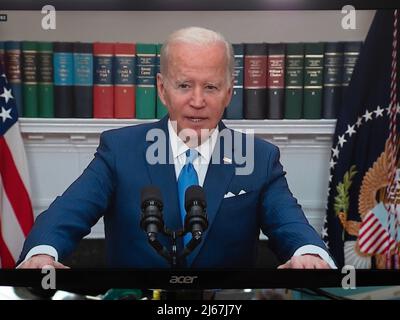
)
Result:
{"points": [[198, 98]]}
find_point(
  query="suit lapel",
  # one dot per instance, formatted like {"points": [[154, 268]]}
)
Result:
{"points": [[163, 176], [219, 175]]}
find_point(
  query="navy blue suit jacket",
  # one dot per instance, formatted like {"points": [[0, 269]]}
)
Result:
{"points": [[111, 185]]}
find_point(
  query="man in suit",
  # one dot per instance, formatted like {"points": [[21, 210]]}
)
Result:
{"points": [[195, 84]]}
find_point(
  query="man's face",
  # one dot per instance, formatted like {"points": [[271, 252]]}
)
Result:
{"points": [[196, 89]]}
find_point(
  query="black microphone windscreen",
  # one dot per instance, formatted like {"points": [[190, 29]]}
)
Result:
{"points": [[151, 193], [195, 193]]}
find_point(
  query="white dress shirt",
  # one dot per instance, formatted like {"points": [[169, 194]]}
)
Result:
{"points": [[201, 162]]}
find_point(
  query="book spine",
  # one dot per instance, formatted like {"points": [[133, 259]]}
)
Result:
{"points": [[12, 52], [294, 77], [124, 80], [83, 78], [103, 88], [333, 70], [255, 80], [45, 80], [2, 57], [29, 79], [63, 79], [162, 110], [146, 89], [313, 76], [235, 107], [276, 80], [351, 51]]}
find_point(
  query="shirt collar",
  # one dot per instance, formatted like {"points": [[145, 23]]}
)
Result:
{"points": [[179, 147]]}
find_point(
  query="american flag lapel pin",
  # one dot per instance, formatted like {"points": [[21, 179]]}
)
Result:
{"points": [[227, 160]]}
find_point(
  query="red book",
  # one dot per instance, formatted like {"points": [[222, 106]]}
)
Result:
{"points": [[103, 86], [124, 80], [276, 80]]}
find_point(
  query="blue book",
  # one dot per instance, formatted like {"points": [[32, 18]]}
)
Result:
{"points": [[161, 108], [235, 107], [333, 70], [63, 79], [351, 51], [83, 80], [12, 52]]}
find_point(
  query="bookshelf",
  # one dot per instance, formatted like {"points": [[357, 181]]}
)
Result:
{"points": [[309, 128]]}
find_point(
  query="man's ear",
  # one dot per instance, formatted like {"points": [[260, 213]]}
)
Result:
{"points": [[161, 88]]}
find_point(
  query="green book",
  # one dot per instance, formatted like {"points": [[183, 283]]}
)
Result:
{"points": [[161, 108], [294, 78], [146, 81], [29, 79], [313, 77], [45, 80]]}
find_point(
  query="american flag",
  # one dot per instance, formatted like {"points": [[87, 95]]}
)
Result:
{"points": [[359, 228], [16, 214], [373, 237]]}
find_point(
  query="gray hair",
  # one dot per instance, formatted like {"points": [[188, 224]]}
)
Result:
{"points": [[199, 36]]}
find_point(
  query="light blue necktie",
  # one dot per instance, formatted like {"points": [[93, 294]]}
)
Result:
{"points": [[187, 177]]}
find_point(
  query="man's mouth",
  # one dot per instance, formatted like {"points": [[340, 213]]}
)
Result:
{"points": [[195, 120]]}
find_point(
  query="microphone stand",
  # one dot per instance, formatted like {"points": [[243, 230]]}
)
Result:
{"points": [[175, 260], [195, 221], [172, 257], [192, 244]]}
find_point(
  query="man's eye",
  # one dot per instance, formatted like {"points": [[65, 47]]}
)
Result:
{"points": [[211, 88], [183, 86]]}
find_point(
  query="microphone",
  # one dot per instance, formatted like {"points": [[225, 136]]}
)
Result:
{"points": [[151, 220], [196, 220]]}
